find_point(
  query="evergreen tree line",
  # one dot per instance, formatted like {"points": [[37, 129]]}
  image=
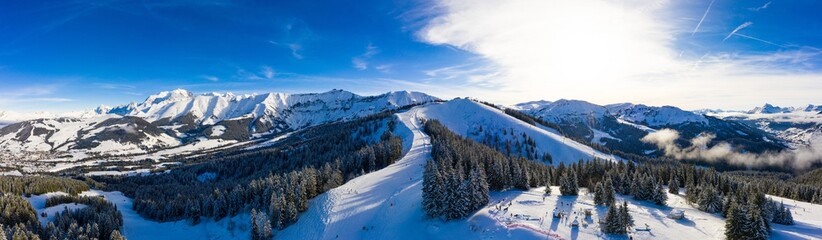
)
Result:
{"points": [[707, 189], [810, 178], [801, 188], [100, 219], [516, 145], [18, 219], [28, 185], [276, 182], [457, 179]]}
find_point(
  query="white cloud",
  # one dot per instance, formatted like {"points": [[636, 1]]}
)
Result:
{"points": [[211, 78], [295, 50], [268, 72], [605, 52], [361, 62]]}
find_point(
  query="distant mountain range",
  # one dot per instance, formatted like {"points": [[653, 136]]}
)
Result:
{"points": [[179, 119], [621, 126], [795, 126]]}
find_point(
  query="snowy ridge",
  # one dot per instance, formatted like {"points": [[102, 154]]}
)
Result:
{"points": [[654, 116], [768, 109], [466, 117], [211, 108], [171, 118], [563, 109]]}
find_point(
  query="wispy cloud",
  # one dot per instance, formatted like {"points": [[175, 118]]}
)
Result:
{"points": [[295, 50], [595, 48], [361, 62], [268, 72], [703, 17], [210, 78], [114, 86], [384, 68], [296, 35], [756, 9], [265, 73], [38, 93], [740, 27], [28, 100]]}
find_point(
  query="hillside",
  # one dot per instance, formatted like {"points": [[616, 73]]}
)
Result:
{"points": [[479, 122], [178, 121], [621, 126]]}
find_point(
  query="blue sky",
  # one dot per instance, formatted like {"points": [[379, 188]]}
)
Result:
{"points": [[70, 55]]}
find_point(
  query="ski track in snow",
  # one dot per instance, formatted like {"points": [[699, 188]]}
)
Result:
{"points": [[384, 199]]}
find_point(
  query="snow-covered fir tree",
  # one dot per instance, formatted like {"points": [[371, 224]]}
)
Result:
{"points": [[599, 194], [659, 195], [673, 185], [568, 185]]}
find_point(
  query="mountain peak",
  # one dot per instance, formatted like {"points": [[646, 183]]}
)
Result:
{"points": [[176, 94], [531, 105], [770, 109]]}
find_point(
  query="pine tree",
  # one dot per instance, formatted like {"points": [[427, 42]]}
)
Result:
{"points": [[787, 216], [735, 221], [479, 188], [782, 215], [431, 190], [626, 220], [613, 221], [598, 194], [692, 193], [3, 232], [115, 235], [673, 185], [568, 184], [756, 228], [255, 229], [610, 193], [660, 197], [709, 200]]}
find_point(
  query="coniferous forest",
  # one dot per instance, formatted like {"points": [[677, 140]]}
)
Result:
{"points": [[275, 182], [18, 220], [458, 164]]}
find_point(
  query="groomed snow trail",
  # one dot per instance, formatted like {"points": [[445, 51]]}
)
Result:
{"points": [[377, 205]]}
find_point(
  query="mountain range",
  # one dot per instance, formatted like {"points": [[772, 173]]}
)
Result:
{"points": [[179, 121]]}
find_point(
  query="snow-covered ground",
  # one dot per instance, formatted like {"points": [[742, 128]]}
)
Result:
{"points": [[136, 227], [808, 218], [378, 205], [696, 225], [469, 118]]}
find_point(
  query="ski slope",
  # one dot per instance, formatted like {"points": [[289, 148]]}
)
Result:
{"points": [[377, 205], [466, 118]]}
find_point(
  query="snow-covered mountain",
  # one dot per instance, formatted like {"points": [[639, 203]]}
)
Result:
{"points": [[267, 112], [795, 125], [654, 116], [478, 121], [769, 109], [179, 117], [621, 126]]}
